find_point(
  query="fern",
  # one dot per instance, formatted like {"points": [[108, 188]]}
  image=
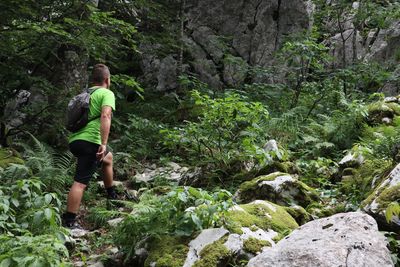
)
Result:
{"points": [[392, 210], [53, 169]]}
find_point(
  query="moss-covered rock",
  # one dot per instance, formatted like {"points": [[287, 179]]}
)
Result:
{"points": [[168, 252], [215, 254], [299, 214], [9, 156], [386, 193], [379, 110], [318, 210], [278, 187], [254, 245], [264, 215]]}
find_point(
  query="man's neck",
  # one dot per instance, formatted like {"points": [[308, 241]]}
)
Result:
{"points": [[100, 85]]}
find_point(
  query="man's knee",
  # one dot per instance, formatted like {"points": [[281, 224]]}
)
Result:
{"points": [[108, 159], [79, 186]]}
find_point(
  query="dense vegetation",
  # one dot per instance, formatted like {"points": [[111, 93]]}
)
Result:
{"points": [[319, 110]]}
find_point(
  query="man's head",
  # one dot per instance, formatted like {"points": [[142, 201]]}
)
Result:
{"points": [[101, 75]]}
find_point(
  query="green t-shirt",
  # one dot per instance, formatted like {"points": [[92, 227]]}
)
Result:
{"points": [[91, 132]]}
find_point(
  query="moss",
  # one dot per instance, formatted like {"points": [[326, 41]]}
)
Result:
{"points": [[168, 252], [254, 228], [394, 107], [379, 110], [254, 245], [298, 192], [264, 217], [8, 157], [253, 184], [388, 196], [213, 254], [299, 214], [321, 211], [276, 166], [349, 172]]}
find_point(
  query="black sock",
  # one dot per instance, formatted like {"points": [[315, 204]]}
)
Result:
{"points": [[111, 192], [69, 217]]}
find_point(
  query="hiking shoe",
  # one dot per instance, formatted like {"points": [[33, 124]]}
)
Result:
{"points": [[113, 196]]}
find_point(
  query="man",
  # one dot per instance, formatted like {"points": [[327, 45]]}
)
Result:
{"points": [[89, 144]]}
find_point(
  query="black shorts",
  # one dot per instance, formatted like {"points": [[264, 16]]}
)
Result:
{"points": [[87, 160]]}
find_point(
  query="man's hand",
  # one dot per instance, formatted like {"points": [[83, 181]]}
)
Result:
{"points": [[101, 152]]}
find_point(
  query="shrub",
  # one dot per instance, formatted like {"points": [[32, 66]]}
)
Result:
{"points": [[180, 212], [228, 130]]}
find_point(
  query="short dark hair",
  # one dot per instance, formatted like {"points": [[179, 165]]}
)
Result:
{"points": [[100, 72]]}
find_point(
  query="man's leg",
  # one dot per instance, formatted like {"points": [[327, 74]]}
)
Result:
{"points": [[108, 175], [73, 203], [75, 197]]}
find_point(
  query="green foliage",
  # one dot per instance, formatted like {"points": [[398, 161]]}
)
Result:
{"points": [[180, 212], [141, 137], [26, 208], [54, 170], [394, 247], [228, 129], [382, 140], [393, 209], [38, 45], [30, 232], [305, 62], [42, 250], [327, 134]]}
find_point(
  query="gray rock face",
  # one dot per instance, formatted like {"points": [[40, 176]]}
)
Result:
{"points": [[346, 239], [387, 42], [167, 74], [250, 31], [346, 47], [392, 86], [223, 38]]}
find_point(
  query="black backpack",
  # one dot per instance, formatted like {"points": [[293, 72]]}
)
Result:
{"points": [[78, 111]]}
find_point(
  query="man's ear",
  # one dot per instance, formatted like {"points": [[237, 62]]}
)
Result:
{"points": [[108, 82]]}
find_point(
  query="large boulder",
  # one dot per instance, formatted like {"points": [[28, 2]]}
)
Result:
{"points": [[280, 188], [379, 200], [345, 239]]}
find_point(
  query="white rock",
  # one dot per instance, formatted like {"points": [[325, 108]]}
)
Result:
{"points": [[205, 238], [234, 243], [387, 120], [115, 183], [271, 146], [390, 99], [259, 234], [351, 159], [346, 239], [277, 182], [76, 233], [115, 222]]}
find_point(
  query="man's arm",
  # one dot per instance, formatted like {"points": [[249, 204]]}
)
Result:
{"points": [[105, 124]]}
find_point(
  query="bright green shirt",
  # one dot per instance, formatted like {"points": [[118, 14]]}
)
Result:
{"points": [[91, 132]]}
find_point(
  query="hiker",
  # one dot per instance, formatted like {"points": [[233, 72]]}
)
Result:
{"points": [[89, 144]]}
